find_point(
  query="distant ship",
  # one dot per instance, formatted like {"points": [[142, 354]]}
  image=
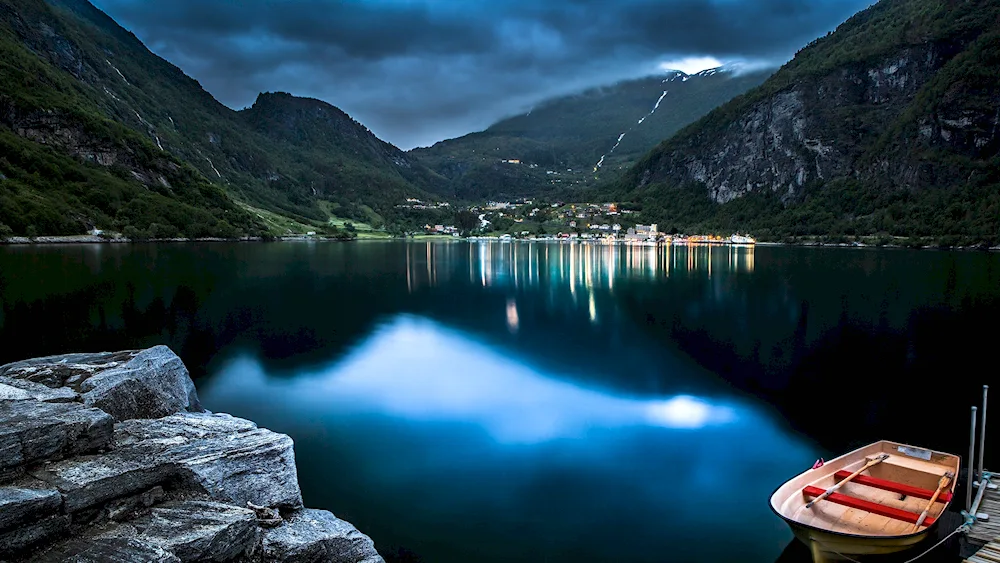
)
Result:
{"points": [[741, 239]]}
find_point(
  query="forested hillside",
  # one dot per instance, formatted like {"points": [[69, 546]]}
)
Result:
{"points": [[887, 127]]}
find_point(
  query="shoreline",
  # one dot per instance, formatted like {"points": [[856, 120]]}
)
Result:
{"points": [[92, 239]]}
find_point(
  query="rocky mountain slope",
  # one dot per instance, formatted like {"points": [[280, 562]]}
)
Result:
{"points": [[887, 126], [111, 457], [575, 141], [96, 130]]}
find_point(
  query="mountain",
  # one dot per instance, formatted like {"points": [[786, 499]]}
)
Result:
{"points": [[576, 141], [97, 131], [887, 126]]}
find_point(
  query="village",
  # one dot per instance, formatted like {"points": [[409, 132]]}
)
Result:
{"points": [[558, 221]]}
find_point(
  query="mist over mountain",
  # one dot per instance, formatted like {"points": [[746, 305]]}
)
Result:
{"points": [[573, 142]]}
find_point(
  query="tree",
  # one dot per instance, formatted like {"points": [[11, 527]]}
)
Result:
{"points": [[466, 220]]}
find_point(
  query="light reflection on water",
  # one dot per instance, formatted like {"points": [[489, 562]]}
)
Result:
{"points": [[653, 378], [454, 431], [589, 266]]}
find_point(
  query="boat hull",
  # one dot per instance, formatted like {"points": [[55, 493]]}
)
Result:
{"points": [[831, 546]]}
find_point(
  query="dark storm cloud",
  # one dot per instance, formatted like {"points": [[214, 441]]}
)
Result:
{"points": [[417, 71]]}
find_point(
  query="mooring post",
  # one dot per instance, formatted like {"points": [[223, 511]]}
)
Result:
{"points": [[970, 469], [982, 435]]}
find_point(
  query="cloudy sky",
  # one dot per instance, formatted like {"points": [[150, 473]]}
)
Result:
{"points": [[419, 71]]}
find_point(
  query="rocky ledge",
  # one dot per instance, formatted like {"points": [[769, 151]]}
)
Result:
{"points": [[111, 457]]}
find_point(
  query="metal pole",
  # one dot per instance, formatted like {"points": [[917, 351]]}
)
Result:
{"points": [[982, 435], [970, 474]]}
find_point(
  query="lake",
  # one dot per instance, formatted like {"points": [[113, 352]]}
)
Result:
{"points": [[482, 401]]}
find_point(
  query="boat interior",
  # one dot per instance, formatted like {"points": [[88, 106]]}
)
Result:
{"points": [[887, 498]]}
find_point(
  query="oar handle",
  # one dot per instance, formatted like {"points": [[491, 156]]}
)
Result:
{"points": [[943, 483]]}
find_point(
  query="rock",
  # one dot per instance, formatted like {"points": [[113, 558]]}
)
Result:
{"points": [[32, 431], [67, 370], [92, 481], [224, 479], [199, 530], [18, 506], [228, 458], [120, 510], [315, 536], [21, 389], [153, 384], [105, 549], [19, 540], [135, 384]]}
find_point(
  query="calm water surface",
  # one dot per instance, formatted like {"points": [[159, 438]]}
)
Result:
{"points": [[540, 402]]}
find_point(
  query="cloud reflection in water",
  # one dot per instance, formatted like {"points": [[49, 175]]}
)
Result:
{"points": [[458, 433], [417, 370]]}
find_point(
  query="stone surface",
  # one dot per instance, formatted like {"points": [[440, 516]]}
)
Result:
{"points": [[32, 431], [67, 370], [105, 550], [18, 505], [153, 384], [25, 537], [198, 530], [20, 389], [314, 536], [228, 458], [91, 481], [136, 384], [121, 509]]}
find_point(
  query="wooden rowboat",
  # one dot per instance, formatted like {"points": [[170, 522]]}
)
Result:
{"points": [[868, 502]]}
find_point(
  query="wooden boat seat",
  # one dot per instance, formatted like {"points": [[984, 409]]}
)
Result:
{"points": [[930, 467], [893, 486], [868, 506]]}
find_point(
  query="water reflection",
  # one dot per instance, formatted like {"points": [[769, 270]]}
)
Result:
{"points": [[488, 458], [574, 265], [686, 364]]}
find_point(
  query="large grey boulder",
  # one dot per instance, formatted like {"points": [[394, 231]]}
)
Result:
{"points": [[32, 431], [198, 530], [135, 384], [140, 472], [317, 536]]}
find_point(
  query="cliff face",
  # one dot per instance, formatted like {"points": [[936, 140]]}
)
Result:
{"points": [[900, 103], [111, 456]]}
